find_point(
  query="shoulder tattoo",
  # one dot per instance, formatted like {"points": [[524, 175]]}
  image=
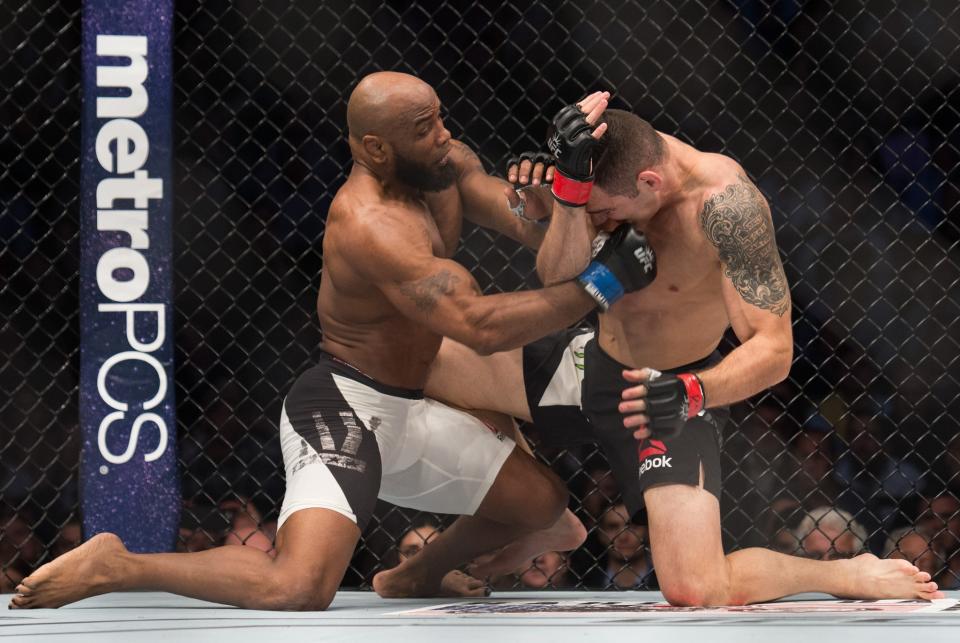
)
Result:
{"points": [[737, 222], [425, 292]]}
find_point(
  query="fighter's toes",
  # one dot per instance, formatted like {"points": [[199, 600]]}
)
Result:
{"points": [[456, 583], [475, 583], [23, 588], [19, 602]]}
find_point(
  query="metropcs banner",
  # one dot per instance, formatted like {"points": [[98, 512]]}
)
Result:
{"points": [[129, 482]]}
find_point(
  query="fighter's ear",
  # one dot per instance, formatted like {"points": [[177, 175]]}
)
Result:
{"points": [[375, 147], [649, 179]]}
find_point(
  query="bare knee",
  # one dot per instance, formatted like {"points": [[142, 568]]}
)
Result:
{"points": [[684, 594], [696, 592], [573, 532], [296, 592]]}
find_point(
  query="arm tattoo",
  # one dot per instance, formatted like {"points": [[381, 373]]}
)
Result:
{"points": [[424, 292], [737, 222]]}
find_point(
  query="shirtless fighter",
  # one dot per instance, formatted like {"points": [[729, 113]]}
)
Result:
{"points": [[648, 386], [357, 426]]}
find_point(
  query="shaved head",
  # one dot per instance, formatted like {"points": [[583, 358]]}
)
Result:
{"points": [[396, 131], [386, 100]]}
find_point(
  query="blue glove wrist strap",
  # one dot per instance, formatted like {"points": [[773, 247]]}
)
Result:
{"points": [[601, 284]]}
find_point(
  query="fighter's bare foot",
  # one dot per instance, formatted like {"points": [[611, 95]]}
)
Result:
{"points": [[566, 534], [88, 570], [873, 578], [494, 563], [400, 582]]}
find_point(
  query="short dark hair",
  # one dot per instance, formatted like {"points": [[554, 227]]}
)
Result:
{"points": [[629, 146]]}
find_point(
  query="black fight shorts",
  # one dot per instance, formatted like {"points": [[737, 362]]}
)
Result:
{"points": [[573, 389]]}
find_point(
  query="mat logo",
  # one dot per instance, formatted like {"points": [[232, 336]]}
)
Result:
{"points": [[123, 273], [654, 456]]}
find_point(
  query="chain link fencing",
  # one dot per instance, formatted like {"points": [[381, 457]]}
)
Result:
{"points": [[845, 114]]}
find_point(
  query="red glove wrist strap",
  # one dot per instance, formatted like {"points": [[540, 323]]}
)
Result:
{"points": [[696, 400], [571, 191]]}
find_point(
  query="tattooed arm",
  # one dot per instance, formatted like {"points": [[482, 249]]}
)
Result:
{"points": [[398, 259], [738, 224]]}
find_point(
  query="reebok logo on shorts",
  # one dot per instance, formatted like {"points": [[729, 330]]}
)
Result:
{"points": [[654, 448], [653, 456]]}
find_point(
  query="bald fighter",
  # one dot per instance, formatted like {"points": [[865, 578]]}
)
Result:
{"points": [[649, 386], [356, 426]]}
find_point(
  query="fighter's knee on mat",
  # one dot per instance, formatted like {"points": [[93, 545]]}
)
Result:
{"points": [[297, 592], [693, 591]]}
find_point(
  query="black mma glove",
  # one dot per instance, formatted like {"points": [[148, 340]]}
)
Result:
{"points": [[534, 158], [671, 400], [572, 145], [624, 263]]}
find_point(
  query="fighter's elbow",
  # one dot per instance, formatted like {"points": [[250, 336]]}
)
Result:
{"points": [[481, 333], [782, 360]]}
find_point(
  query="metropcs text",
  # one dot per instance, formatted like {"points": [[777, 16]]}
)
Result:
{"points": [[122, 147]]}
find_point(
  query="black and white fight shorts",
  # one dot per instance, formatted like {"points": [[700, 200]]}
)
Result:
{"points": [[348, 440], [573, 389]]}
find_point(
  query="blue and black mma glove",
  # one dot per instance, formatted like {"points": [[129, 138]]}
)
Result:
{"points": [[572, 144], [671, 400], [624, 263]]}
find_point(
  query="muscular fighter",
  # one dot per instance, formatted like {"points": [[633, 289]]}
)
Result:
{"points": [[649, 386], [356, 426]]}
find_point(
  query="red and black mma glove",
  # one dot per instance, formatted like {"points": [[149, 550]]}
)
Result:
{"points": [[672, 400], [572, 145], [624, 263]]}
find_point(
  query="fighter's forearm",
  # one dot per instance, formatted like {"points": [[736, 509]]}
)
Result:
{"points": [[493, 212], [485, 204], [565, 251], [757, 364], [510, 320]]}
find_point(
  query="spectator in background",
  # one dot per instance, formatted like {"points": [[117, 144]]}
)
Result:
{"points": [[808, 470], [909, 544], [627, 561], [877, 469], [950, 577], [600, 491], [416, 538], [247, 526], [202, 527], [548, 570], [780, 524], [827, 533], [938, 518]]}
